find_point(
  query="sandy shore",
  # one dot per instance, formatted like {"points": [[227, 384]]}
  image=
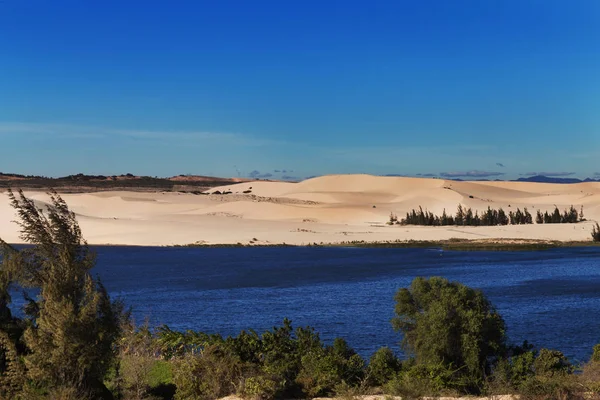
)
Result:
{"points": [[330, 209]]}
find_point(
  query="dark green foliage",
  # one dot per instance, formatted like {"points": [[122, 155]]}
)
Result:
{"points": [[215, 372], [490, 217], [596, 233], [323, 369], [418, 380], [570, 216], [383, 366], [466, 217], [72, 325], [446, 323], [539, 217], [551, 362], [512, 371], [502, 217], [281, 363]]}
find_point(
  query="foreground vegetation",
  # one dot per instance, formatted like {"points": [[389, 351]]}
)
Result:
{"points": [[73, 342]]}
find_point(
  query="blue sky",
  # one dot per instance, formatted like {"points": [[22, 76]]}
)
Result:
{"points": [[310, 87]]}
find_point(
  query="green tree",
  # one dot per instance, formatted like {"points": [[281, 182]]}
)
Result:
{"points": [[447, 323], [502, 218], [596, 233], [539, 217], [73, 324], [460, 215]]}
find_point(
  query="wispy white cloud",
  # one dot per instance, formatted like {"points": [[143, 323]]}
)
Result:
{"points": [[68, 131], [471, 174]]}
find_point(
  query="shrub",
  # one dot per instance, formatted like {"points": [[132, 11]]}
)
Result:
{"points": [[259, 388], [447, 323], [551, 362], [383, 366], [420, 380], [323, 369], [558, 387], [210, 375], [510, 373], [596, 233]]}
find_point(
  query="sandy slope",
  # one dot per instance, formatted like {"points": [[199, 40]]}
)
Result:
{"points": [[326, 209]]}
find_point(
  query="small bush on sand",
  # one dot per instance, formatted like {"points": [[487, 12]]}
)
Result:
{"points": [[420, 381], [596, 233]]}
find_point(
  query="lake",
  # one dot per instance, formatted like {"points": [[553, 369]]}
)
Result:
{"points": [[551, 297]]}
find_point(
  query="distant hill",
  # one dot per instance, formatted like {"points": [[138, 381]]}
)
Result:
{"points": [[87, 183], [548, 179]]}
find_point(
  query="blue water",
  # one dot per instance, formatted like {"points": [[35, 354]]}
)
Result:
{"points": [[551, 297]]}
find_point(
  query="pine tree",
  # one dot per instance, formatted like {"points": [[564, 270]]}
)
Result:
{"points": [[539, 217], [468, 217], [444, 219], [502, 218], [527, 218], [460, 216], [518, 217], [70, 342], [556, 217], [476, 219], [596, 233], [573, 215]]}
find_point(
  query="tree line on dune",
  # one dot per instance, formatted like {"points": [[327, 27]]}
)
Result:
{"points": [[491, 217], [73, 342]]}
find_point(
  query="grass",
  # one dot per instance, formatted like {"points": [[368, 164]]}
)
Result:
{"points": [[471, 245], [449, 245], [160, 374]]}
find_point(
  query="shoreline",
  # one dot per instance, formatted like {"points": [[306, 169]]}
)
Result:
{"points": [[447, 245]]}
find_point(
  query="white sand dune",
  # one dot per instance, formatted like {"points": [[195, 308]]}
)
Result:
{"points": [[329, 209]]}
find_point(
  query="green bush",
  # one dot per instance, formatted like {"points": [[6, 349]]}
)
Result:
{"points": [[557, 387], [421, 380], [323, 369], [551, 362], [212, 374], [447, 323], [510, 373], [383, 366], [259, 388]]}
